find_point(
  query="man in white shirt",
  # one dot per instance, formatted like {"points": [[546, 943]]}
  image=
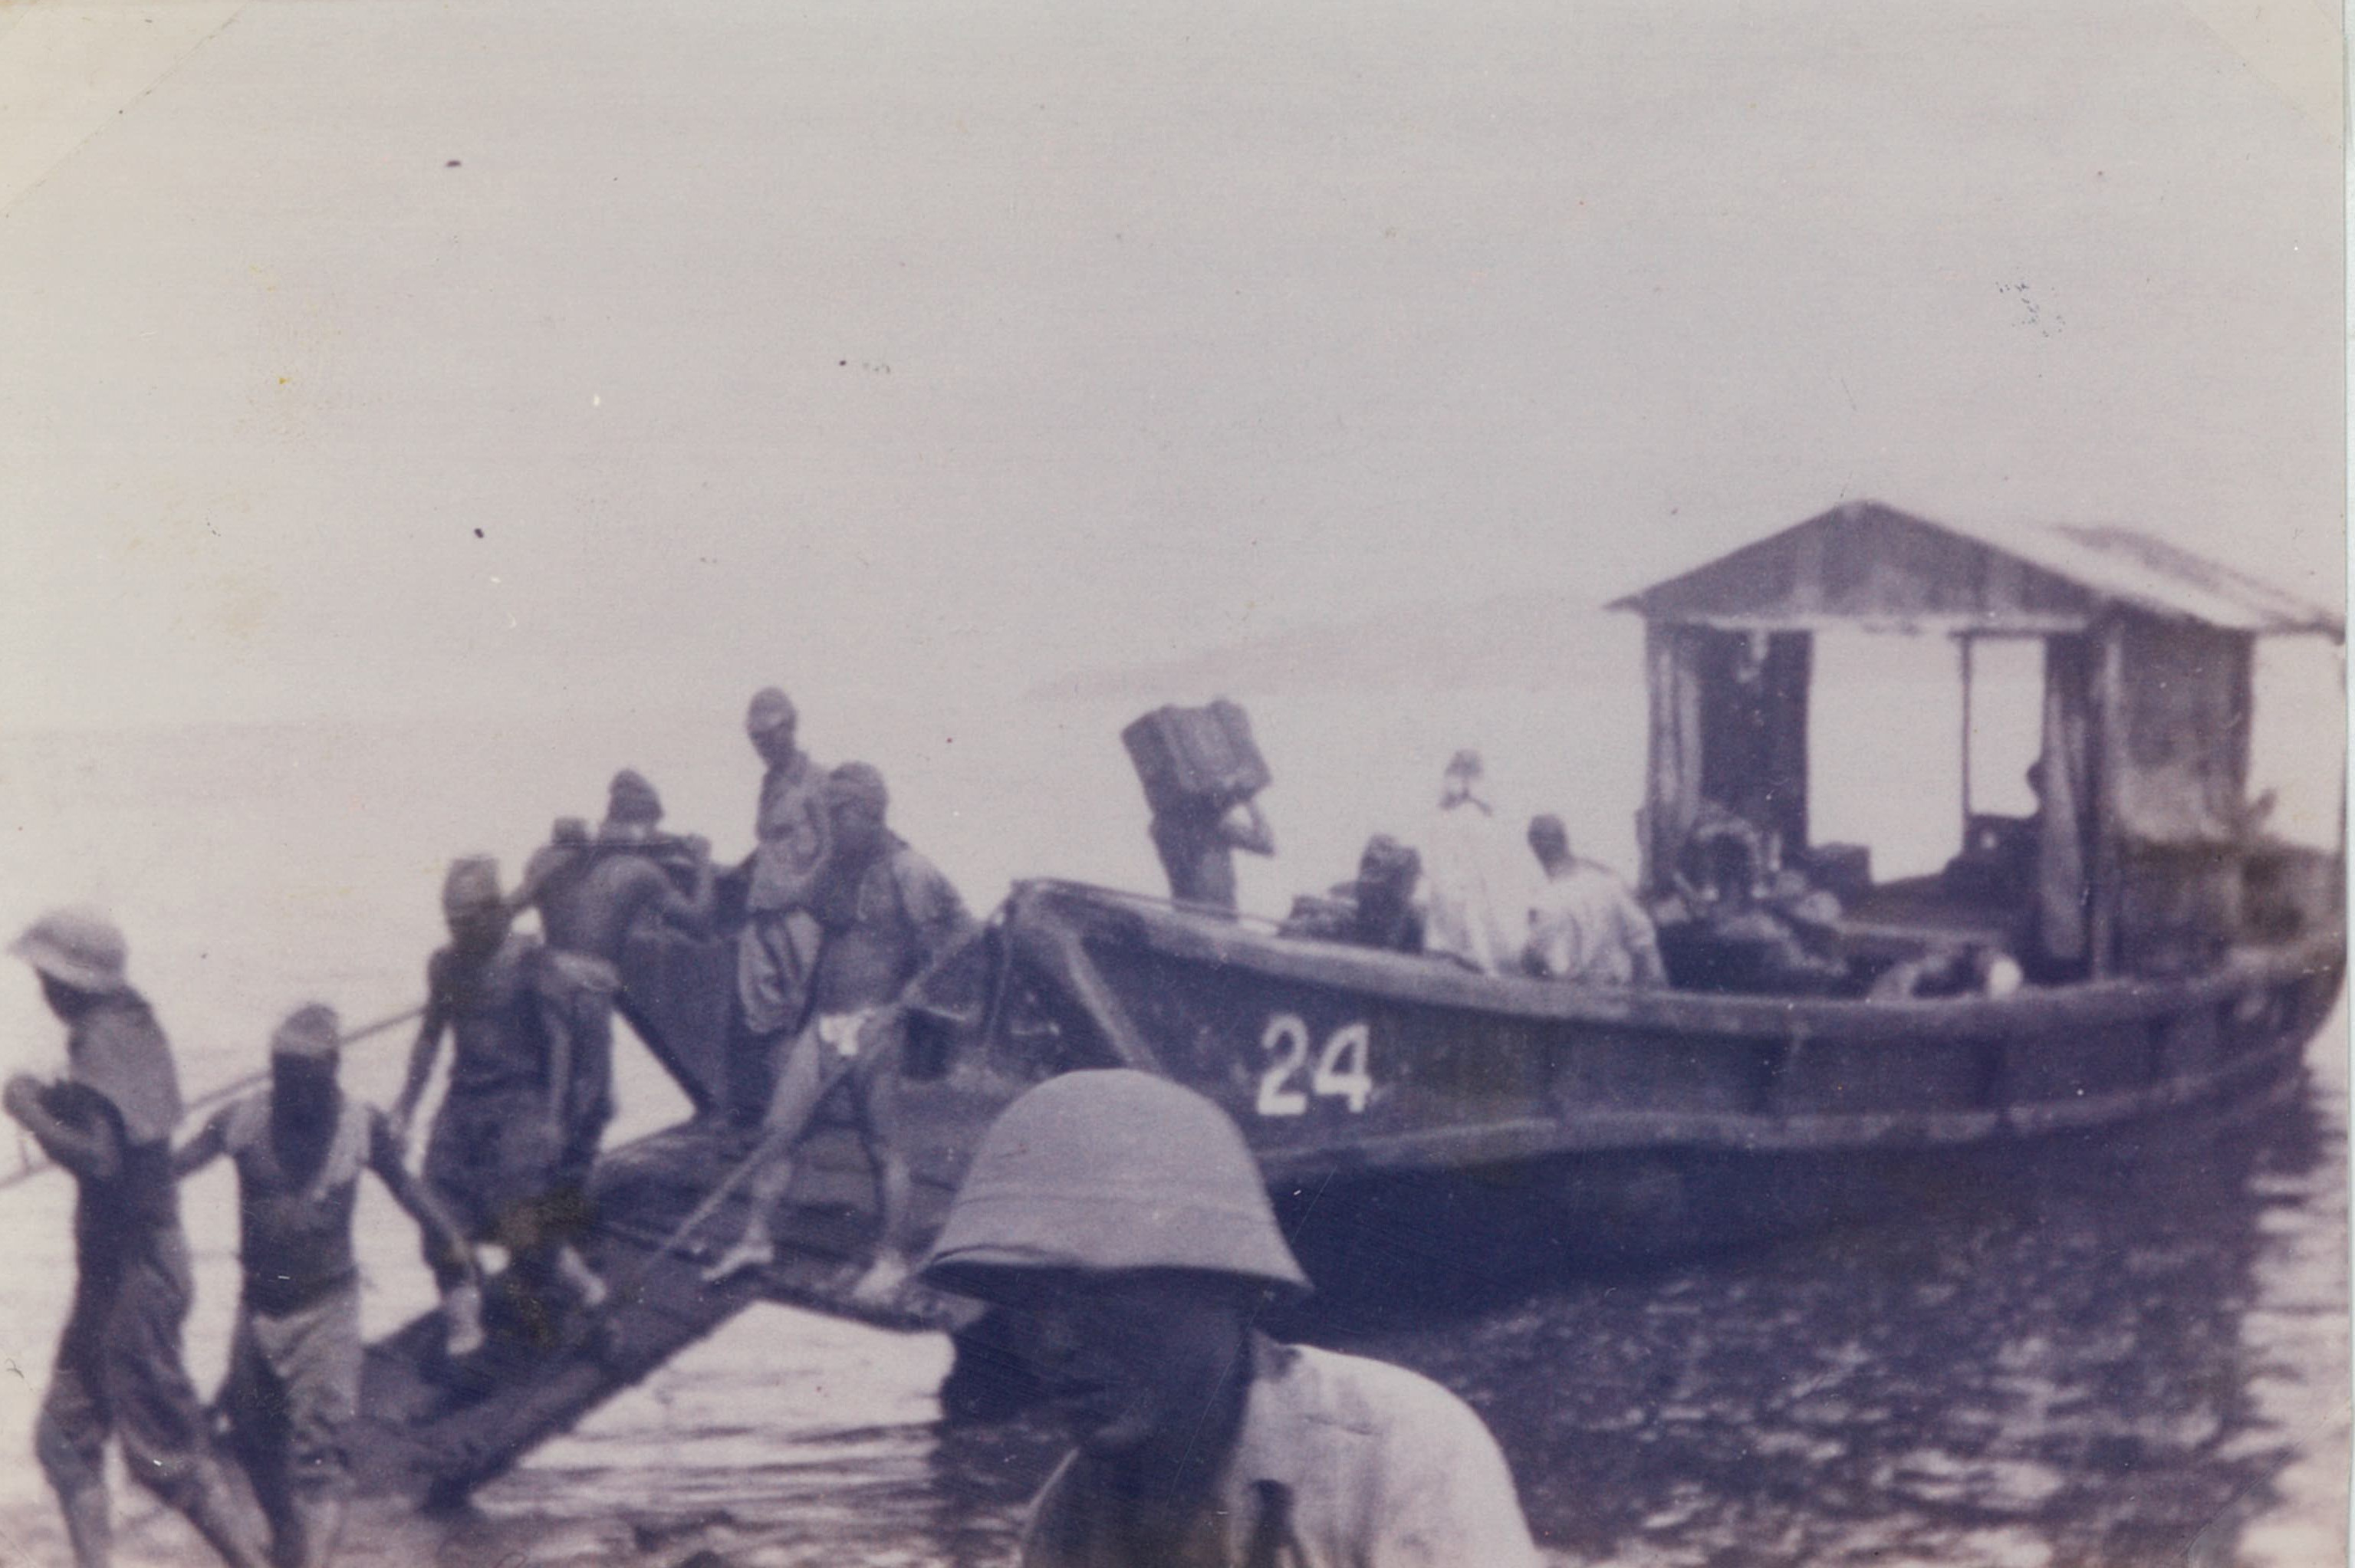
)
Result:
{"points": [[1585, 927], [1467, 897]]}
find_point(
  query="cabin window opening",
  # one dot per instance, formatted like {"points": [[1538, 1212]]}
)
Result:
{"points": [[2298, 741], [2007, 725], [1753, 690], [2292, 871], [1881, 724]]}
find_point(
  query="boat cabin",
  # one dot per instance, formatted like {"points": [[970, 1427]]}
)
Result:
{"points": [[2142, 856]]}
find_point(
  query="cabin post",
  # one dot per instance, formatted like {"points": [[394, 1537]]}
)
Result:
{"points": [[1673, 759], [1789, 687], [2109, 769], [1963, 642]]}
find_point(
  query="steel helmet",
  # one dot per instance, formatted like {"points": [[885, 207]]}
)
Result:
{"points": [[309, 1033], [77, 947], [472, 884], [1111, 1169], [629, 798], [771, 709], [858, 784]]}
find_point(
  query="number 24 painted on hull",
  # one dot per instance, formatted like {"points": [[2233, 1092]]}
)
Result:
{"points": [[1343, 1070]]}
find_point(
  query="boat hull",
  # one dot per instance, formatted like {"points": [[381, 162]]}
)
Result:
{"points": [[1337, 1062]]}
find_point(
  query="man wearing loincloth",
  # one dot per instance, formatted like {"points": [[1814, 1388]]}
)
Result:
{"points": [[887, 913]]}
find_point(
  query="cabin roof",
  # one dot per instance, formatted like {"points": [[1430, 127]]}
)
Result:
{"points": [[1866, 564]]}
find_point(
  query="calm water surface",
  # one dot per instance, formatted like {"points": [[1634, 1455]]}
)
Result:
{"points": [[2133, 1361]]}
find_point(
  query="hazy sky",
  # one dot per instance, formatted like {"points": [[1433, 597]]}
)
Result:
{"points": [[911, 340]]}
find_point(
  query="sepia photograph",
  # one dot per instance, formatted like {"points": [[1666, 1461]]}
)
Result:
{"points": [[1383, 786]]}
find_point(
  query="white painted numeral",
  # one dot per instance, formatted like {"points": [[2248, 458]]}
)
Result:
{"points": [[1341, 1071], [1344, 1068], [1288, 1036]]}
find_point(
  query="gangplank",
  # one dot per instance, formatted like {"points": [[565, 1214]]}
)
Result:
{"points": [[434, 1430]]}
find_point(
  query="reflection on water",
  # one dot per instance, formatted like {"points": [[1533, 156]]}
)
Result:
{"points": [[2064, 1381]]}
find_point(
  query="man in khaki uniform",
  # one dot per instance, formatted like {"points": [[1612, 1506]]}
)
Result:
{"points": [[1122, 1219], [778, 945]]}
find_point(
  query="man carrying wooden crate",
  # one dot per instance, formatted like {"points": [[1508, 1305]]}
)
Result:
{"points": [[1202, 776]]}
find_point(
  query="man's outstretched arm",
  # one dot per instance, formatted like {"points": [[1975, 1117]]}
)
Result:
{"points": [[209, 1144], [421, 1066], [384, 1158]]}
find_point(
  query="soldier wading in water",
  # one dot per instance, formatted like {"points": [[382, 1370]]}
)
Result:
{"points": [[294, 1383], [1123, 1219]]}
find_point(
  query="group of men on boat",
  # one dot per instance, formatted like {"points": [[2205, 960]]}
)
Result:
{"points": [[838, 914], [1462, 894], [1741, 917], [1466, 893]]}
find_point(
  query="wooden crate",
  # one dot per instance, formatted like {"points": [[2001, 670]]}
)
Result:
{"points": [[1195, 755]]}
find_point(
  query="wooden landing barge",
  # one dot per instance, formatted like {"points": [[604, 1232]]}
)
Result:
{"points": [[2179, 962]]}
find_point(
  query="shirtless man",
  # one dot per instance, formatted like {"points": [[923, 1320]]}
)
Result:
{"points": [[514, 1010], [293, 1382]]}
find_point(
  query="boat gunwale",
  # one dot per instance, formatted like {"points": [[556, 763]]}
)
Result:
{"points": [[1219, 939]]}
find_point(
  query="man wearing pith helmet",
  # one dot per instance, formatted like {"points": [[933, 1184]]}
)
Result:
{"points": [[109, 1121], [1123, 1216]]}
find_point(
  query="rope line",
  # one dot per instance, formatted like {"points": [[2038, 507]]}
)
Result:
{"points": [[37, 1165]]}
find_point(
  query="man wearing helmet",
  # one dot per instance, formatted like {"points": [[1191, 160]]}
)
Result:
{"points": [[886, 913], [590, 897], [515, 1011], [293, 1382], [118, 1370], [1122, 1219]]}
